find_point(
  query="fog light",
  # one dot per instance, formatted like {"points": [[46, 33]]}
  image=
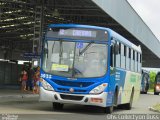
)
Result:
{"points": [[55, 96], [86, 100], [96, 100]]}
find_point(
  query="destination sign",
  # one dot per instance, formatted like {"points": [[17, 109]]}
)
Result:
{"points": [[77, 33]]}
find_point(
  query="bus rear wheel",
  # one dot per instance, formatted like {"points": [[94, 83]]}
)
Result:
{"points": [[128, 106], [57, 106]]}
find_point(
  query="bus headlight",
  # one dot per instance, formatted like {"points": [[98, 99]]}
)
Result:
{"points": [[157, 87], [99, 89], [46, 85]]}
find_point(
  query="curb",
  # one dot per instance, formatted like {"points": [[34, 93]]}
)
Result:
{"points": [[154, 110]]}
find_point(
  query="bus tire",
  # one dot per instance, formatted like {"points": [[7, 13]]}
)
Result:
{"points": [[57, 106], [145, 92], [156, 93], [128, 106], [109, 109]]}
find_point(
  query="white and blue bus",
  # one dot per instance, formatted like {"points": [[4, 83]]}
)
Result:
{"points": [[89, 65]]}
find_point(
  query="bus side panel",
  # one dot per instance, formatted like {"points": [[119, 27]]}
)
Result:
{"points": [[111, 88], [125, 81], [132, 80], [116, 80], [120, 76]]}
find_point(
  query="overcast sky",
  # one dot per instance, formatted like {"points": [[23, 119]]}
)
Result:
{"points": [[149, 10]]}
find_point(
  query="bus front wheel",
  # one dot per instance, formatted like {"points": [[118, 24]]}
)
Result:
{"points": [[57, 106], [109, 109]]}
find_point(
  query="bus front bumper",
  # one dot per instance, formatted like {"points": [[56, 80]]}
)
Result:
{"points": [[82, 99]]}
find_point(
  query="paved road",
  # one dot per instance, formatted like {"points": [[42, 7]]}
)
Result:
{"points": [[31, 108]]}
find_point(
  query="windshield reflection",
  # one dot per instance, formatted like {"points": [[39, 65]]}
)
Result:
{"points": [[75, 59]]}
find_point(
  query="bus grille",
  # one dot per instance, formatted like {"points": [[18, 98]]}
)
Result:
{"points": [[73, 84], [67, 90], [71, 97]]}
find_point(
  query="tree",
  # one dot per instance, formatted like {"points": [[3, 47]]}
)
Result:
{"points": [[152, 79]]}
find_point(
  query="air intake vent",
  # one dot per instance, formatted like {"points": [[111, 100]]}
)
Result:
{"points": [[71, 97], [72, 83]]}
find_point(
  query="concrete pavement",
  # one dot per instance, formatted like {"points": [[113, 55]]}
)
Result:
{"points": [[14, 94]]}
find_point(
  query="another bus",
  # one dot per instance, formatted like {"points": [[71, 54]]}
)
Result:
{"points": [[145, 82], [157, 84], [89, 65]]}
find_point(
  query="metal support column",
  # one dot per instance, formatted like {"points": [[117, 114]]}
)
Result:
{"points": [[38, 28]]}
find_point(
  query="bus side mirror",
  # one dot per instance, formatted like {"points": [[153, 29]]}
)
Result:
{"points": [[116, 49]]}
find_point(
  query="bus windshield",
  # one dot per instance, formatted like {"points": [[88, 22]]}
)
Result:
{"points": [[75, 59], [158, 79]]}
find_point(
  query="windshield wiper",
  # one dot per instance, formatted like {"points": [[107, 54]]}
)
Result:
{"points": [[53, 46], [81, 52]]}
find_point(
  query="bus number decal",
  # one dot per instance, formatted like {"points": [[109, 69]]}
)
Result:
{"points": [[46, 76]]}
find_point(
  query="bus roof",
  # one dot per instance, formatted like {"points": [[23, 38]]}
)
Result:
{"points": [[111, 32], [77, 25], [125, 41]]}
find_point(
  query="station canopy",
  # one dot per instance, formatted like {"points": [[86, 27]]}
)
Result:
{"points": [[23, 22]]}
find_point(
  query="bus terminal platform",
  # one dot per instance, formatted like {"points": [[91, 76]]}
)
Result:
{"points": [[16, 93]]}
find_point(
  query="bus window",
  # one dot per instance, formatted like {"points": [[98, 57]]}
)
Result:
{"points": [[112, 56], [139, 62], [132, 60], [93, 63], [136, 63], [127, 59], [123, 61], [118, 58]]}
